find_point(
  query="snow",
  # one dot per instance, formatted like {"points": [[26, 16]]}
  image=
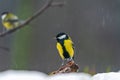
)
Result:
{"points": [[22, 75], [35, 75], [107, 76], [70, 76]]}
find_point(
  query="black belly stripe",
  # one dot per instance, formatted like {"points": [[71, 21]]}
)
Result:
{"points": [[65, 53]]}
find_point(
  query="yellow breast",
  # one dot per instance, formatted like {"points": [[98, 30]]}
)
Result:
{"points": [[69, 47], [68, 44], [60, 50], [9, 25]]}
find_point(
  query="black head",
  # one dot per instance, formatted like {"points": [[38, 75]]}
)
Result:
{"points": [[4, 13], [62, 36]]}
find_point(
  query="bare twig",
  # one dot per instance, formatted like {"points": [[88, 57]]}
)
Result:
{"points": [[48, 4]]}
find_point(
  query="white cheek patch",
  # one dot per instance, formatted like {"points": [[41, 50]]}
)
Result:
{"points": [[62, 37], [3, 16]]}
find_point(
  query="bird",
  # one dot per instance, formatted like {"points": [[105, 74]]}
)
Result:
{"points": [[9, 20], [65, 47]]}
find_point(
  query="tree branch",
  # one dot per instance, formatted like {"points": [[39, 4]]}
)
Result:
{"points": [[48, 4]]}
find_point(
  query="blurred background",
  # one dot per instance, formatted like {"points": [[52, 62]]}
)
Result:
{"points": [[94, 26]]}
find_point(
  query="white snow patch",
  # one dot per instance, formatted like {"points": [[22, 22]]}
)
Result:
{"points": [[22, 75], [71, 76], [107, 76], [35, 75]]}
